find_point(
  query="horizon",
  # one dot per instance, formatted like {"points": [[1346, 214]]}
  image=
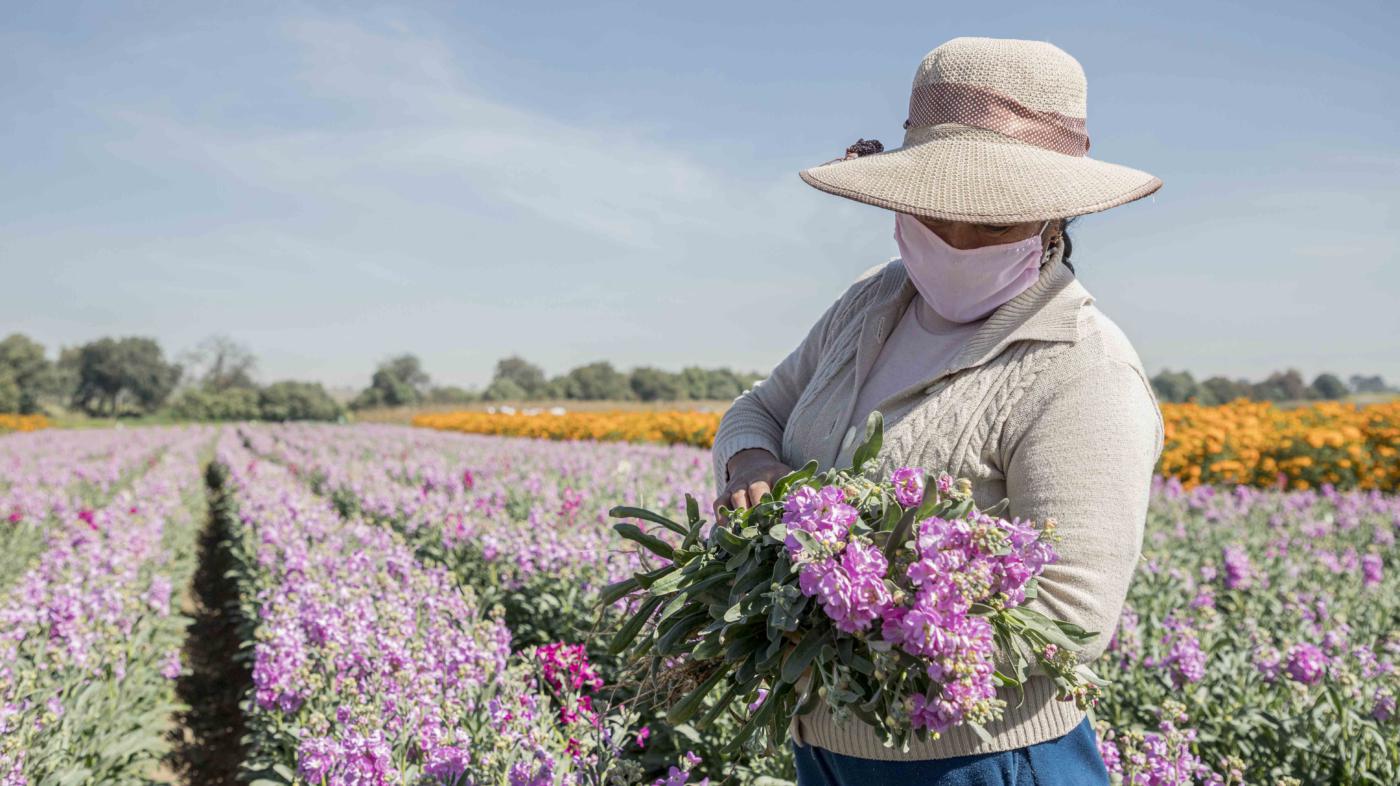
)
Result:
{"points": [[331, 187]]}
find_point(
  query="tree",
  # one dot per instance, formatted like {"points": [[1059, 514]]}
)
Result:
{"points": [[451, 394], [219, 363], [695, 381], [398, 382], [1329, 387], [528, 377], [654, 384], [24, 373], [726, 384], [1371, 384], [598, 381], [114, 374], [502, 389], [297, 401], [231, 404], [10, 395], [1175, 386], [1281, 386], [1222, 390]]}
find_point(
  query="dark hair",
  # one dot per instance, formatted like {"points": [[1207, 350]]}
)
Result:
{"points": [[1069, 245]]}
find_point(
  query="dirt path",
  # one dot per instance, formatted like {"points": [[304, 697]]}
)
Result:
{"points": [[206, 743]]}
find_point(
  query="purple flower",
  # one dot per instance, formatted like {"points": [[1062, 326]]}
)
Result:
{"points": [[1384, 707], [1306, 663], [1238, 570], [1371, 569], [1184, 660], [908, 486]]}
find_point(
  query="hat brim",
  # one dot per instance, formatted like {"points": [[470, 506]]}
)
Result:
{"points": [[981, 181]]}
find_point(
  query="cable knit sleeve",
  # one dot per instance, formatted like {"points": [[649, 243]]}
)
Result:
{"points": [[1085, 455], [757, 418]]}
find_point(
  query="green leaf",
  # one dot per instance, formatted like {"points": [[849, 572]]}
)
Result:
{"points": [[668, 584], [668, 642], [801, 656], [708, 648], [623, 511], [617, 590], [651, 577], [1075, 632], [692, 510], [652, 543], [874, 438], [633, 626], [757, 720], [781, 485], [688, 706]]}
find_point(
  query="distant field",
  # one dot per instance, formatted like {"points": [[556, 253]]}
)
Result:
{"points": [[405, 415]]}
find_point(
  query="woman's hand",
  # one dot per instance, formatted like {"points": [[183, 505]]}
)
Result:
{"points": [[752, 472]]}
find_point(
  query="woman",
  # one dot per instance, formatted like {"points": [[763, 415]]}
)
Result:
{"points": [[988, 359]]}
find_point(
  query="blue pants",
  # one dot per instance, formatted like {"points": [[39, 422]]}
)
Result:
{"points": [[1071, 759]]}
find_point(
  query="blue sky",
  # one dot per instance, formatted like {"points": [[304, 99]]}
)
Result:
{"points": [[331, 184]]}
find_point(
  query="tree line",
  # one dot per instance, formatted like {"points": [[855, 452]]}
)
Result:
{"points": [[121, 377], [1180, 386], [132, 376], [115, 377], [402, 382]]}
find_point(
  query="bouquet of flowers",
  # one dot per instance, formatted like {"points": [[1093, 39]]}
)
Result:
{"points": [[895, 601]]}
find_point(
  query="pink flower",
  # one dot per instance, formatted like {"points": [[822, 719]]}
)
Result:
{"points": [[908, 486]]}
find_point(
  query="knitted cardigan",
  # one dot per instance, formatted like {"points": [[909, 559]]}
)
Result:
{"points": [[1047, 405]]}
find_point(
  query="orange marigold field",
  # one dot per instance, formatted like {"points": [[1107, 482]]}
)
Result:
{"points": [[1258, 444], [686, 428], [22, 422], [1249, 442]]}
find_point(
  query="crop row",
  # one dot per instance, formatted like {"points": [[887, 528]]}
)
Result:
{"points": [[89, 644], [370, 667], [525, 524]]}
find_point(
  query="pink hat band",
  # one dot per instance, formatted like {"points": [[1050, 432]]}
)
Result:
{"points": [[933, 103]]}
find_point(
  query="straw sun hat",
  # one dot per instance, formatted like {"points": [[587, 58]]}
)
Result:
{"points": [[995, 135]]}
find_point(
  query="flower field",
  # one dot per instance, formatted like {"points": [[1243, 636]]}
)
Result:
{"points": [[101, 528], [671, 428], [421, 606], [1254, 443]]}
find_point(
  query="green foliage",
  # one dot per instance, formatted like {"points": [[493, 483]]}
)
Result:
{"points": [[654, 384], [597, 381], [24, 374], [1176, 386], [219, 363], [451, 394], [11, 397], [526, 377], [1281, 386], [1179, 386], [504, 390], [217, 405], [116, 376], [297, 401], [1222, 390], [398, 382], [1329, 386]]}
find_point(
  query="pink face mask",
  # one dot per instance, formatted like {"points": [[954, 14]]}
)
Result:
{"points": [[962, 285]]}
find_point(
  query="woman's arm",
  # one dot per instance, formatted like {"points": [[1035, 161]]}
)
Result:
{"points": [[758, 416], [1085, 456]]}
